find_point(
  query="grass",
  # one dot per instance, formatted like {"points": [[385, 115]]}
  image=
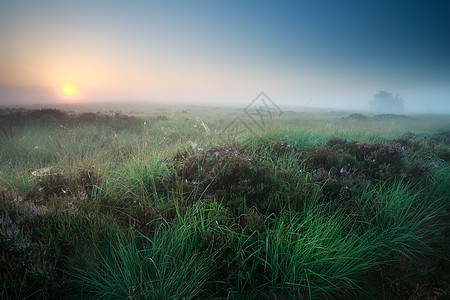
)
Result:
{"points": [[167, 265], [107, 206], [313, 254]]}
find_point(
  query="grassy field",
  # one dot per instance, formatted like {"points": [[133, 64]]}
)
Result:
{"points": [[195, 204]]}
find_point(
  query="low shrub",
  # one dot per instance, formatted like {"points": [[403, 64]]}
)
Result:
{"points": [[347, 167], [34, 241], [227, 173]]}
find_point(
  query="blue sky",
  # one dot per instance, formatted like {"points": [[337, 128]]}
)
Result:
{"points": [[320, 53]]}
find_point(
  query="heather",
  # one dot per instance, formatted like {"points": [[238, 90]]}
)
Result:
{"points": [[162, 206]]}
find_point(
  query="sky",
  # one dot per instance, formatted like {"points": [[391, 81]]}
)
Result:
{"points": [[332, 54]]}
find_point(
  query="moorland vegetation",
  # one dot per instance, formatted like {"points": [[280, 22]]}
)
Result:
{"points": [[162, 206]]}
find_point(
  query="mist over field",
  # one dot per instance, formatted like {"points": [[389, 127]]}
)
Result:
{"points": [[224, 150], [310, 53]]}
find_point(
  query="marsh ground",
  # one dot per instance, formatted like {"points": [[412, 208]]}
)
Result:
{"points": [[206, 203]]}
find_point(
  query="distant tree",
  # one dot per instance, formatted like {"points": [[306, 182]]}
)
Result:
{"points": [[386, 102]]}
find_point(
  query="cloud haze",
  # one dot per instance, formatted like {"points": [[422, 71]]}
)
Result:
{"points": [[320, 53]]}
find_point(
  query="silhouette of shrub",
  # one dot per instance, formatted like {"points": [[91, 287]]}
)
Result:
{"points": [[161, 118], [50, 113], [390, 117], [16, 120], [356, 116]]}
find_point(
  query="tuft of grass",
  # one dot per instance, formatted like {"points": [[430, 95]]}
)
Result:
{"points": [[314, 254], [166, 265], [140, 180], [400, 220]]}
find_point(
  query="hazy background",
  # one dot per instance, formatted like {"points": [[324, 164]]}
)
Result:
{"points": [[334, 54]]}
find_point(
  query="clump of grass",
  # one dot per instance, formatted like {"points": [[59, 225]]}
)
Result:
{"points": [[313, 254], [400, 217], [141, 181], [166, 265], [406, 227]]}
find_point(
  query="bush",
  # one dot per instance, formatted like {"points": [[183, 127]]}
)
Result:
{"points": [[33, 243], [346, 168], [227, 173]]}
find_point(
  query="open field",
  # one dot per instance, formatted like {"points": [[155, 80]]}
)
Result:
{"points": [[185, 204]]}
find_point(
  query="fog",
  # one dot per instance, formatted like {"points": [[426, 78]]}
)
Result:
{"points": [[311, 54]]}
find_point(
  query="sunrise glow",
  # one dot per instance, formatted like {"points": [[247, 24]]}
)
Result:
{"points": [[304, 53], [68, 90]]}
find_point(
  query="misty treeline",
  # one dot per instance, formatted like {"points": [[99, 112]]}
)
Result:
{"points": [[11, 120], [384, 101]]}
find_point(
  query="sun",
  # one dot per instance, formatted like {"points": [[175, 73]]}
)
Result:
{"points": [[68, 90]]}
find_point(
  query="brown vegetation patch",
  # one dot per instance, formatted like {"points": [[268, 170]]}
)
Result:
{"points": [[225, 172]]}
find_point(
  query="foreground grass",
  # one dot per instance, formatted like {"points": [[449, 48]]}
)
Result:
{"points": [[167, 209]]}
